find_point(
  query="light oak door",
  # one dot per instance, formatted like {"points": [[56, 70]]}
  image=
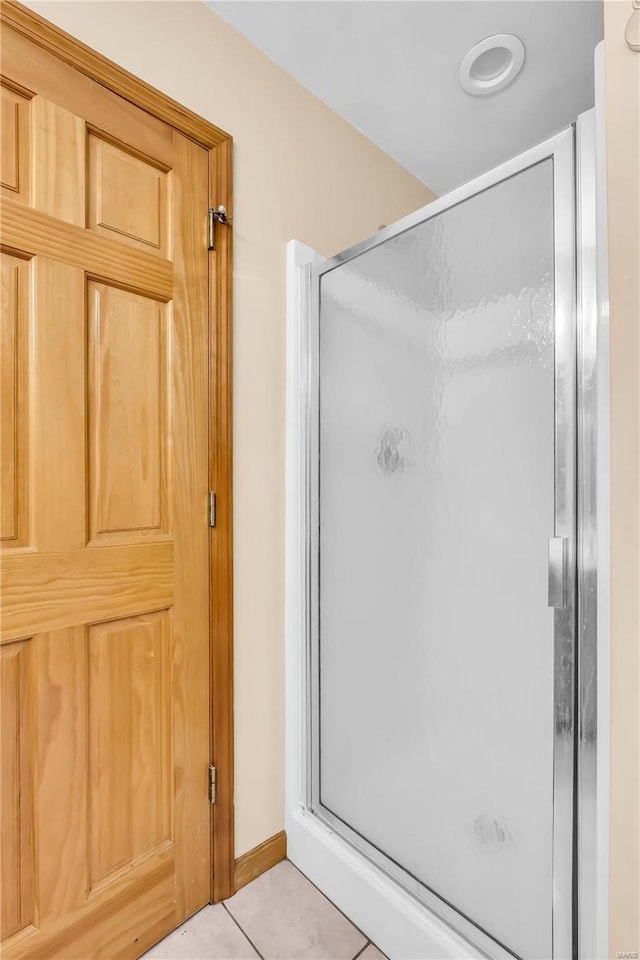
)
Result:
{"points": [[104, 656]]}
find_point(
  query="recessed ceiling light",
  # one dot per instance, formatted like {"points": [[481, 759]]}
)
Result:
{"points": [[492, 64]]}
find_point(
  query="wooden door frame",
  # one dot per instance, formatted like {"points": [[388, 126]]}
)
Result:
{"points": [[219, 147]]}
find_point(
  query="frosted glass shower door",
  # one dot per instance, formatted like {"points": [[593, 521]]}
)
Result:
{"points": [[442, 469]]}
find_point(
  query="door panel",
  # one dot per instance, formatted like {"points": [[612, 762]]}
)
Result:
{"points": [[128, 196], [128, 353], [104, 656], [17, 909], [14, 383], [130, 756], [15, 145]]}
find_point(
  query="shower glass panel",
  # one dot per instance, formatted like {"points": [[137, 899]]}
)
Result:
{"points": [[435, 655]]}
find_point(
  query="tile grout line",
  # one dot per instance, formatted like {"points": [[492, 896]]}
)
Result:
{"points": [[335, 907], [360, 952], [243, 932]]}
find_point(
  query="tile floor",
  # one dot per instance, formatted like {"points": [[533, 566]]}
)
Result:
{"points": [[280, 916]]}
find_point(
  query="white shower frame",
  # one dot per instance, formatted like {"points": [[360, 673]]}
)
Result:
{"points": [[400, 924]]}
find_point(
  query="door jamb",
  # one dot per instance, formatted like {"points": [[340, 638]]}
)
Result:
{"points": [[219, 147]]}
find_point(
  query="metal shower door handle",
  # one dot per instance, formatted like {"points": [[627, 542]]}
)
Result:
{"points": [[558, 552]]}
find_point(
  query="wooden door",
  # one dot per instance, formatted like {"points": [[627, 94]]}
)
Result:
{"points": [[104, 656]]}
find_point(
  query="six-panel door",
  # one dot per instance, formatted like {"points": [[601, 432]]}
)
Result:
{"points": [[104, 662]]}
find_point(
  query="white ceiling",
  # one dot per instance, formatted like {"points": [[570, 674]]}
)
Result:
{"points": [[390, 67]]}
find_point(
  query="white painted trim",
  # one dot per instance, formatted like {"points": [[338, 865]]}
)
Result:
{"points": [[299, 257], [604, 521]]}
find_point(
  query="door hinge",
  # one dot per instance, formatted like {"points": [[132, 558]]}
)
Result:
{"points": [[212, 783], [220, 216], [212, 508]]}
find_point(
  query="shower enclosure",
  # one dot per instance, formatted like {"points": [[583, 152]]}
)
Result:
{"points": [[439, 671]]}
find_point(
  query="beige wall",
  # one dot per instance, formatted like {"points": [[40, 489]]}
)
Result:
{"points": [[623, 172], [300, 172]]}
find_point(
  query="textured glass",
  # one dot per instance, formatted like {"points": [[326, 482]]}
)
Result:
{"points": [[436, 504]]}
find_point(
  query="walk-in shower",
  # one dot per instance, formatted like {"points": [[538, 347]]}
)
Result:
{"points": [[438, 686]]}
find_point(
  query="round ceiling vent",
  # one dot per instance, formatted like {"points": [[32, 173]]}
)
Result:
{"points": [[492, 64]]}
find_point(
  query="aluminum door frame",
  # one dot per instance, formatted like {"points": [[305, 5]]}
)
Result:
{"points": [[561, 149], [593, 538]]}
